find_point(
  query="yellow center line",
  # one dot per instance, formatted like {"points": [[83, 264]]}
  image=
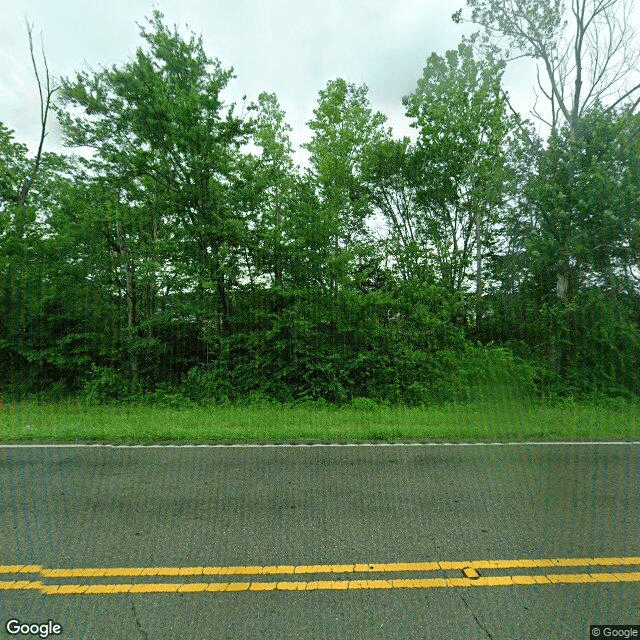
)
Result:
{"points": [[466, 565], [471, 576], [404, 583]]}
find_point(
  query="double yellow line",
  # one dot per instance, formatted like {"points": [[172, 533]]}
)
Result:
{"points": [[471, 574]]}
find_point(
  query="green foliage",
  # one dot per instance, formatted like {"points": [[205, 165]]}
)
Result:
{"points": [[167, 396], [206, 385], [576, 302], [604, 359], [344, 130], [495, 374], [364, 404], [104, 384], [178, 267], [13, 168], [459, 110], [531, 26]]}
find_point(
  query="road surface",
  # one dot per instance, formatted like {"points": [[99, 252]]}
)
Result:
{"points": [[513, 541]]}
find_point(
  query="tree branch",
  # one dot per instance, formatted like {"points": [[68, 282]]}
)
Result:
{"points": [[45, 104]]}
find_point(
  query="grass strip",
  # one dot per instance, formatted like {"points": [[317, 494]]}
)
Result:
{"points": [[128, 424]]}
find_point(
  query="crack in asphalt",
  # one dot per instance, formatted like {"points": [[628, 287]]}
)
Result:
{"points": [[138, 625], [475, 618]]}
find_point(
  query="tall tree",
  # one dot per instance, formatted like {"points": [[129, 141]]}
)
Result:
{"points": [[389, 171], [46, 89], [579, 209], [586, 200], [460, 114], [41, 327], [275, 178], [344, 127], [167, 148], [585, 64], [590, 58]]}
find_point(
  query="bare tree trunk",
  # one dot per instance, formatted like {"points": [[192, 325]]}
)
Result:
{"points": [[45, 105]]}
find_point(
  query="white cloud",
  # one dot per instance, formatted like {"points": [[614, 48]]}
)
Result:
{"points": [[288, 47]]}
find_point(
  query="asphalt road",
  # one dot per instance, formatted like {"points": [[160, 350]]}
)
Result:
{"points": [[355, 512]]}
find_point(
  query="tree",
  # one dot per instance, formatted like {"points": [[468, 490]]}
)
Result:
{"points": [[275, 178], [15, 169], [46, 90], [460, 113], [586, 201], [579, 210], [167, 156], [389, 172], [591, 62], [344, 128], [28, 189], [42, 329]]}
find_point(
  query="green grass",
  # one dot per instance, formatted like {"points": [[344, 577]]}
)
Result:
{"points": [[512, 421]]}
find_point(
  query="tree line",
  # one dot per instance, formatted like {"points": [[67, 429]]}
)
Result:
{"points": [[187, 257]]}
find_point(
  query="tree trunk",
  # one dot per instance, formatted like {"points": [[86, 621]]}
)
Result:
{"points": [[45, 105], [132, 313], [277, 266], [478, 271], [558, 350], [562, 285], [153, 290], [223, 300]]}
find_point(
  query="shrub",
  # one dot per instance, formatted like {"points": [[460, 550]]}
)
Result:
{"points": [[167, 396], [104, 384], [204, 385], [364, 404], [489, 373]]}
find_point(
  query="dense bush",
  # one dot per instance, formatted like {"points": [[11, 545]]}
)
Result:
{"points": [[105, 384]]}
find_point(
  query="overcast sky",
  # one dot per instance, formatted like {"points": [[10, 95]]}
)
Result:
{"points": [[288, 47]]}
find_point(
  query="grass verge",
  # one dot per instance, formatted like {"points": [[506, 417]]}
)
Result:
{"points": [[489, 422]]}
